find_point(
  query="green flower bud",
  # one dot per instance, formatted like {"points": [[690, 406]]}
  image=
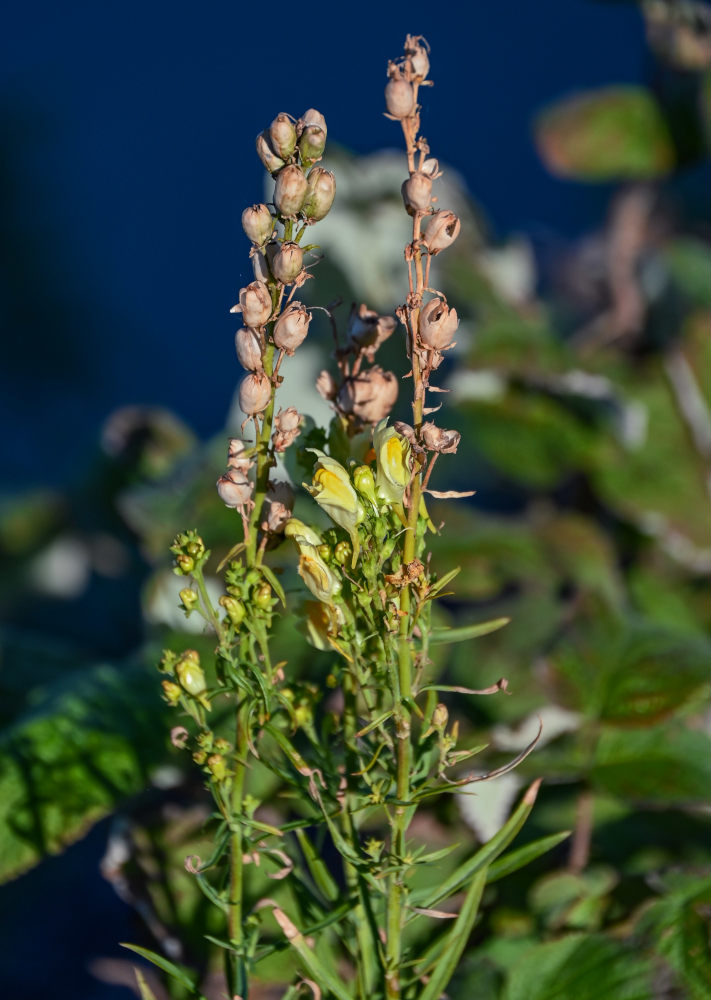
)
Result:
{"points": [[321, 190], [290, 191], [167, 661], [303, 714], [195, 548], [257, 223], [262, 596], [190, 676], [171, 692], [234, 608], [184, 564], [200, 757], [223, 746], [282, 136], [312, 143], [189, 598], [324, 552], [205, 740], [343, 553], [364, 482], [217, 766], [440, 717], [266, 154]]}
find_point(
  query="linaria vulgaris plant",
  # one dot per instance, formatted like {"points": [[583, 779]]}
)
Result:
{"points": [[358, 759]]}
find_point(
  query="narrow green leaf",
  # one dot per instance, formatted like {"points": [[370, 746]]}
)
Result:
{"points": [[271, 576], [514, 860], [455, 940], [326, 978], [465, 632], [163, 963], [318, 870], [483, 857], [143, 987], [439, 586]]}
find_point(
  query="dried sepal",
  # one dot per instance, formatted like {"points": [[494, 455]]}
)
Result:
{"points": [[437, 439]]}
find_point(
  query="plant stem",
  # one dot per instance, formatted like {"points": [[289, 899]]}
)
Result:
{"points": [[264, 464], [239, 985]]}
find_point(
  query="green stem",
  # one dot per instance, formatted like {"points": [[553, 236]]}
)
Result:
{"points": [[264, 464], [239, 984]]}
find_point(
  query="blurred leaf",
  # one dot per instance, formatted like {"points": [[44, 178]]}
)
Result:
{"points": [[466, 632], [689, 263], [666, 765], [611, 134], [170, 968], [586, 967], [86, 746]]}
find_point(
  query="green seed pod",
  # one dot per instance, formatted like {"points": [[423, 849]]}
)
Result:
{"points": [[191, 678], [171, 692], [262, 596], [217, 766], [312, 144], [321, 190], [266, 154], [234, 608], [184, 564], [200, 757], [290, 191], [190, 599], [364, 482], [343, 553], [282, 136], [324, 552]]}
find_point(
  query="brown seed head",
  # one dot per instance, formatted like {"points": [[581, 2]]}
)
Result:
{"points": [[249, 349], [417, 192], [290, 191], [437, 439], [235, 489], [287, 262], [287, 427], [417, 55], [399, 98], [255, 304], [438, 324], [266, 154], [255, 391], [257, 223], [282, 136], [370, 395], [367, 330], [291, 328], [321, 190], [442, 230]]}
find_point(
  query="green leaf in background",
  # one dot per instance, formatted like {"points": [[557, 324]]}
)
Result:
{"points": [[689, 263], [666, 765], [90, 742], [584, 967], [612, 134]]}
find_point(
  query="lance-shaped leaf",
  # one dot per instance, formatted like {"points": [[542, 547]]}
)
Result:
{"points": [[465, 632]]}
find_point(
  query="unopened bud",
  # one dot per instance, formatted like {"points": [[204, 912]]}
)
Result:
{"points": [[370, 395], [440, 717], [311, 117], [287, 262], [262, 596], [257, 223], [184, 563], [364, 482], [235, 609], [282, 136], [290, 191], [312, 143], [438, 324], [437, 439], [343, 553], [417, 192], [249, 349], [287, 427], [171, 692], [255, 304], [442, 230], [320, 194], [326, 385], [235, 489], [189, 598], [189, 674], [399, 98], [291, 328], [217, 766], [255, 391], [266, 154]]}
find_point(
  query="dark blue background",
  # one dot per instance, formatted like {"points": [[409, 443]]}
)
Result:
{"points": [[127, 156]]}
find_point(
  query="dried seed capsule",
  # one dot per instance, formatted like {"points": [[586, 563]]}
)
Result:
{"points": [[287, 427], [311, 117], [417, 53], [279, 503], [266, 154], [437, 439], [290, 191], [287, 262], [370, 396], [438, 324], [399, 98], [237, 456], [367, 330], [249, 349], [442, 230], [255, 304], [321, 190], [260, 266], [257, 223], [255, 391], [291, 328], [326, 386], [417, 192], [312, 143], [282, 135], [235, 489]]}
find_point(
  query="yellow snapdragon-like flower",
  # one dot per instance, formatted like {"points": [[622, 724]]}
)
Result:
{"points": [[322, 623], [333, 491], [302, 534], [322, 583], [392, 455]]}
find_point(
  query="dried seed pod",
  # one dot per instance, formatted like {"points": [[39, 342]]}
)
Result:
{"points": [[417, 54], [260, 266], [266, 154], [257, 223], [255, 391], [326, 386], [438, 324], [311, 117], [255, 304], [321, 190], [399, 98], [237, 456], [235, 489], [442, 230], [282, 136], [287, 262], [437, 439], [290, 191], [312, 143], [367, 330], [278, 505], [249, 349], [417, 193], [291, 328], [431, 168], [370, 395]]}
